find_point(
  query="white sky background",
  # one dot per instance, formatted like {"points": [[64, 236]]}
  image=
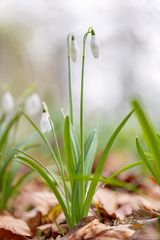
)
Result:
{"points": [[129, 36]]}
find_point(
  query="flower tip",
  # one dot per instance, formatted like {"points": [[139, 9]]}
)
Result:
{"points": [[94, 46], [74, 49], [45, 124]]}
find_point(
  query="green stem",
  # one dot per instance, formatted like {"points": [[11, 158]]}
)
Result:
{"points": [[69, 79], [82, 185], [61, 166]]}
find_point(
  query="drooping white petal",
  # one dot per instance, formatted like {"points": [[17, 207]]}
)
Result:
{"points": [[33, 104], [94, 46], [45, 123], [74, 50], [7, 102]]}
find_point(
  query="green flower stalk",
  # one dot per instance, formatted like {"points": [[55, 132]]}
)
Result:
{"points": [[92, 32]]}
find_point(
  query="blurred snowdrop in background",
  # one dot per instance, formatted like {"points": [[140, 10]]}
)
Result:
{"points": [[7, 102], [33, 104]]}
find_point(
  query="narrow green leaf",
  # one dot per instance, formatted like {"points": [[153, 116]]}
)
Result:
{"points": [[100, 165], [75, 144], [89, 154], [71, 165], [13, 173], [124, 169], [4, 164], [19, 183], [41, 165], [90, 149], [76, 204], [118, 183], [146, 161], [7, 129], [2, 118], [5, 190], [149, 134]]}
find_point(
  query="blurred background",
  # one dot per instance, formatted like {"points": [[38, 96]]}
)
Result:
{"points": [[33, 49]]}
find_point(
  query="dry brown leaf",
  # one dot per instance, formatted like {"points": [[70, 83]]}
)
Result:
{"points": [[147, 232], [16, 226], [29, 203], [35, 222], [98, 231], [42, 201], [8, 235], [123, 203], [104, 216], [107, 199], [51, 230]]}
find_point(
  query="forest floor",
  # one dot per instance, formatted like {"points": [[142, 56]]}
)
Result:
{"points": [[116, 213]]}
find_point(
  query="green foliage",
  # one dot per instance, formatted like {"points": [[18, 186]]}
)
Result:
{"points": [[9, 183], [73, 186], [152, 141], [10, 179]]}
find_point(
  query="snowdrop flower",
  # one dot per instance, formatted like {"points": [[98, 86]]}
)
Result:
{"points": [[94, 46], [7, 102], [33, 104], [74, 49], [45, 124]]}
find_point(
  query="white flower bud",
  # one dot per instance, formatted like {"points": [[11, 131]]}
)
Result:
{"points": [[45, 123], [74, 50], [7, 102], [94, 46], [33, 104]]}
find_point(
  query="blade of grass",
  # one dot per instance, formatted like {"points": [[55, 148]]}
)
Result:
{"points": [[20, 182], [6, 132], [90, 148], [149, 134], [100, 165], [113, 175], [146, 161], [75, 143], [124, 169], [41, 165], [71, 165], [10, 157], [118, 183]]}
